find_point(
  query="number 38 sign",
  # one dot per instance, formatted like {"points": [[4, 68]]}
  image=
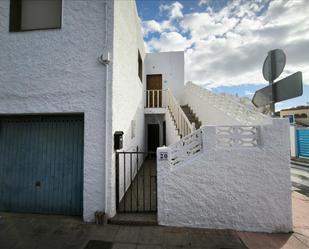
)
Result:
{"points": [[163, 156]]}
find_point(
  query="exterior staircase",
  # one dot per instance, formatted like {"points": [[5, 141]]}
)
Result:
{"points": [[191, 116], [229, 109]]}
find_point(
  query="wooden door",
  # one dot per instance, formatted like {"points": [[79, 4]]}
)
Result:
{"points": [[154, 91]]}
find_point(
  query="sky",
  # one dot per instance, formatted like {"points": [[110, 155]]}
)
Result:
{"points": [[226, 42]]}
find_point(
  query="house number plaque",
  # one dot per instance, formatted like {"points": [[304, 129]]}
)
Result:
{"points": [[163, 156]]}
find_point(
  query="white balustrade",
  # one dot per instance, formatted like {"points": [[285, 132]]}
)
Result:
{"points": [[186, 148], [237, 108], [165, 99], [155, 99], [235, 137], [181, 120]]}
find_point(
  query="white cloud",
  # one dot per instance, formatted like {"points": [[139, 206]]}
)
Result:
{"points": [[151, 27], [249, 93], [228, 47], [202, 2], [174, 13], [174, 10], [201, 25], [169, 41]]}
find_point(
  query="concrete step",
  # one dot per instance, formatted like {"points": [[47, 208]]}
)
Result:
{"points": [[134, 219], [191, 116]]}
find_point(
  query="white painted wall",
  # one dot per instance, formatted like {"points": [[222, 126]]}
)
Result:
{"points": [[233, 187], [127, 89], [207, 113], [219, 109], [57, 71], [171, 132], [171, 66]]}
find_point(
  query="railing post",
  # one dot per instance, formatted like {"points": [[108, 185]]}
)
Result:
{"points": [[193, 126], [158, 98], [117, 181], [163, 99]]}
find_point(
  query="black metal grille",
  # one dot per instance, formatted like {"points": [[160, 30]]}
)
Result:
{"points": [[136, 182]]}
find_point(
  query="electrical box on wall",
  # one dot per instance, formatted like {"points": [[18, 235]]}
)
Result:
{"points": [[118, 140]]}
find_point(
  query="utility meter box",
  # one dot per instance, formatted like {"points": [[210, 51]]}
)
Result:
{"points": [[118, 140]]}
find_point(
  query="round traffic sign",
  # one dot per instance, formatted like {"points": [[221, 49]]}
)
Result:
{"points": [[278, 59]]}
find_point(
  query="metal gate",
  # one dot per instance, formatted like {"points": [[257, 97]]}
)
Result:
{"points": [[136, 182], [41, 164], [302, 137]]}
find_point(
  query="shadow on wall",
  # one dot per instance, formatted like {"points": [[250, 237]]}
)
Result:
{"points": [[133, 142]]}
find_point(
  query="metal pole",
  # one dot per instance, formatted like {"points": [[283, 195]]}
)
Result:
{"points": [[272, 56], [117, 181]]}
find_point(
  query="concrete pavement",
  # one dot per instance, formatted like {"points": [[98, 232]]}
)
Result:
{"points": [[297, 240], [300, 179], [19, 231]]}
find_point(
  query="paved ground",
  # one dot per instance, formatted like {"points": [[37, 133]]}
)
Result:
{"points": [[19, 231], [53, 232], [300, 179]]}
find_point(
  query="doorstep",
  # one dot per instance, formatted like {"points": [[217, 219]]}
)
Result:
{"points": [[134, 219]]}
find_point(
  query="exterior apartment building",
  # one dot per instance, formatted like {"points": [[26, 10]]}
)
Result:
{"points": [[60, 105], [80, 100]]}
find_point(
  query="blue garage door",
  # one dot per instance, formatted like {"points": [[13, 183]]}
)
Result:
{"points": [[302, 136], [41, 164]]}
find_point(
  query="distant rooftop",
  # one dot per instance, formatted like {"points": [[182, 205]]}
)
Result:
{"points": [[301, 107]]}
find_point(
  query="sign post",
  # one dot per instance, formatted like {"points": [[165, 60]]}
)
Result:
{"points": [[272, 56], [287, 88], [272, 68]]}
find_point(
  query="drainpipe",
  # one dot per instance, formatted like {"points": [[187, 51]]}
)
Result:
{"points": [[104, 59]]}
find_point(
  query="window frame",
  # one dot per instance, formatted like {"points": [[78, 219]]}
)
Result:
{"points": [[16, 15]]}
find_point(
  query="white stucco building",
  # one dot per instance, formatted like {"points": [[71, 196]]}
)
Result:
{"points": [[51, 68], [75, 73]]}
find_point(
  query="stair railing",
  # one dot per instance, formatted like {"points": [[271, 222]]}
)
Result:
{"points": [[181, 120]]}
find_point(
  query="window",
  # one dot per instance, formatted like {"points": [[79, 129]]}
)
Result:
{"points": [[28, 15], [303, 115], [140, 67]]}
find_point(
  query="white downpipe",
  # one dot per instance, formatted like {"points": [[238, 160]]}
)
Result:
{"points": [[106, 152], [105, 60]]}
